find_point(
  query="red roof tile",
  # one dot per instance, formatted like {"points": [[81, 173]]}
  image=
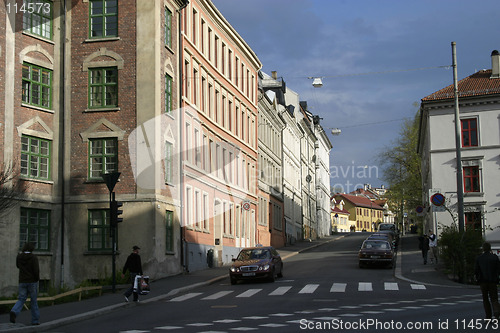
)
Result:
{"points": [[360, 201], [342, 211], [478, 84]]}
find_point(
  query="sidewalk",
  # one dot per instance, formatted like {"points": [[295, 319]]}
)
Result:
{"points": [[409, 267]]}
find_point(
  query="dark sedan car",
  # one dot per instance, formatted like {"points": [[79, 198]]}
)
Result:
{"points": [[384, 236], [256, 263], [376, 251]]}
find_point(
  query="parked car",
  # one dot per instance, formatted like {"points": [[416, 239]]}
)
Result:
{"points": [[385, 236], [389, 228], [256, 263], [376, 252]]}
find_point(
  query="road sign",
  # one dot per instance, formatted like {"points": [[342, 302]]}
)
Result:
{"points": [[111, 179], [246, 205], [420, 211], [438, 199]]}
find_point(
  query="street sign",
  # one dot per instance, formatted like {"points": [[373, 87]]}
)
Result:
{"points": [[438, 199], [111, 179], [246, 205]]}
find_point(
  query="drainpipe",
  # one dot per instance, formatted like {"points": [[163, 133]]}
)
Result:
{"points": [[184, 247], [63, 131]]}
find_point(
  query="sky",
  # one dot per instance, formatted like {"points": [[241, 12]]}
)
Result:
{"points": [[377, 60]]}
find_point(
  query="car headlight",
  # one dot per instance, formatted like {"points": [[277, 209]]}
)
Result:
{"points": [[264, 268], [234, 269]]}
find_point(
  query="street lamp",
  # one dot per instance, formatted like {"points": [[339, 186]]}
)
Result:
{"points": [[317, 83], [111, 179], [336, 131]]}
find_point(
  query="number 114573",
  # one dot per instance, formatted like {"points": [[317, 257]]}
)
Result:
{"points": [[31, 7]]}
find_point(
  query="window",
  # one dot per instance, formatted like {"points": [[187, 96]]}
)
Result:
{"points": [[473, 221], [35, 157], [103, 18], [35, 228], [168, 27], [99, 230], [168, 93], [195, 26], [103, 157], [189, 207], [471, 179], [469, 132], [195, 87], [223, 59], [169, 231], [103, 87], [205, 211], [197, 148], [38, 21], [168, 162], [197, 209], [37, 86]]}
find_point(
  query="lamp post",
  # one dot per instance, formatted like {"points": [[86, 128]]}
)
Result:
{"points": [[111, 179], [460, 186]]}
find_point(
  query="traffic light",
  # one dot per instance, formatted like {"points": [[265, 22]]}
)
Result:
{"points": [[115, 213]]}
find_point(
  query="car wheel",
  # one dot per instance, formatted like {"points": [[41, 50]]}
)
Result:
{"points": [[272, 275], [361, 265], [280, 274], [233, 281]]}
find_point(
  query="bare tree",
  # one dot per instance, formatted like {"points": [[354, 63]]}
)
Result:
{"points": [[11, 188]]}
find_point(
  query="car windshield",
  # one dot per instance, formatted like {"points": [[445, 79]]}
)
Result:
{"points": [[254, 254], [376, 245], [387, 227]]}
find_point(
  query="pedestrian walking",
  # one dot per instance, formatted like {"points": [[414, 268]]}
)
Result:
{"points": [[134, 266], [487, 269], [29, 275], [423, 244], [433, 247]]}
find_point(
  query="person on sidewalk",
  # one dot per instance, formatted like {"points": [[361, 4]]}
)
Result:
{"points": [[433, 247], [423, 244], [134, 266], [29, 275], [487, 269]]}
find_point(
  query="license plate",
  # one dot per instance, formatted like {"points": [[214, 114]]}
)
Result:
{"points": [[248, 274], [375, 257]]}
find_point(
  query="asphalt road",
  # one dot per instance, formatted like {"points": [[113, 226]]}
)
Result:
{"points": [[322, 289]]}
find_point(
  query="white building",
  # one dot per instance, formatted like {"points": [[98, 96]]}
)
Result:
{"points": [[322, 161], [308, 168], [270, 157], [479, 105]]}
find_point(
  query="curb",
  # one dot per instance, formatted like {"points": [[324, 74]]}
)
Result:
{"points": [[398, 274]]}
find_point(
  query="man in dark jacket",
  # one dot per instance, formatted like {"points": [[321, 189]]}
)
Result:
{"points": [[423, 244], [134, 266], [29, 274], [487, 269]]}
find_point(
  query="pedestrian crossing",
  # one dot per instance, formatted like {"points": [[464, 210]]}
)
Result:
{"points": [[335, 288]]}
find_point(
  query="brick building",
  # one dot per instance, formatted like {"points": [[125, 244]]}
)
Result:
{"points": [[77, 78]]}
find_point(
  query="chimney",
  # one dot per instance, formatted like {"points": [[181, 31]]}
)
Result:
{"points": [[274, 74], [495, 65]]}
